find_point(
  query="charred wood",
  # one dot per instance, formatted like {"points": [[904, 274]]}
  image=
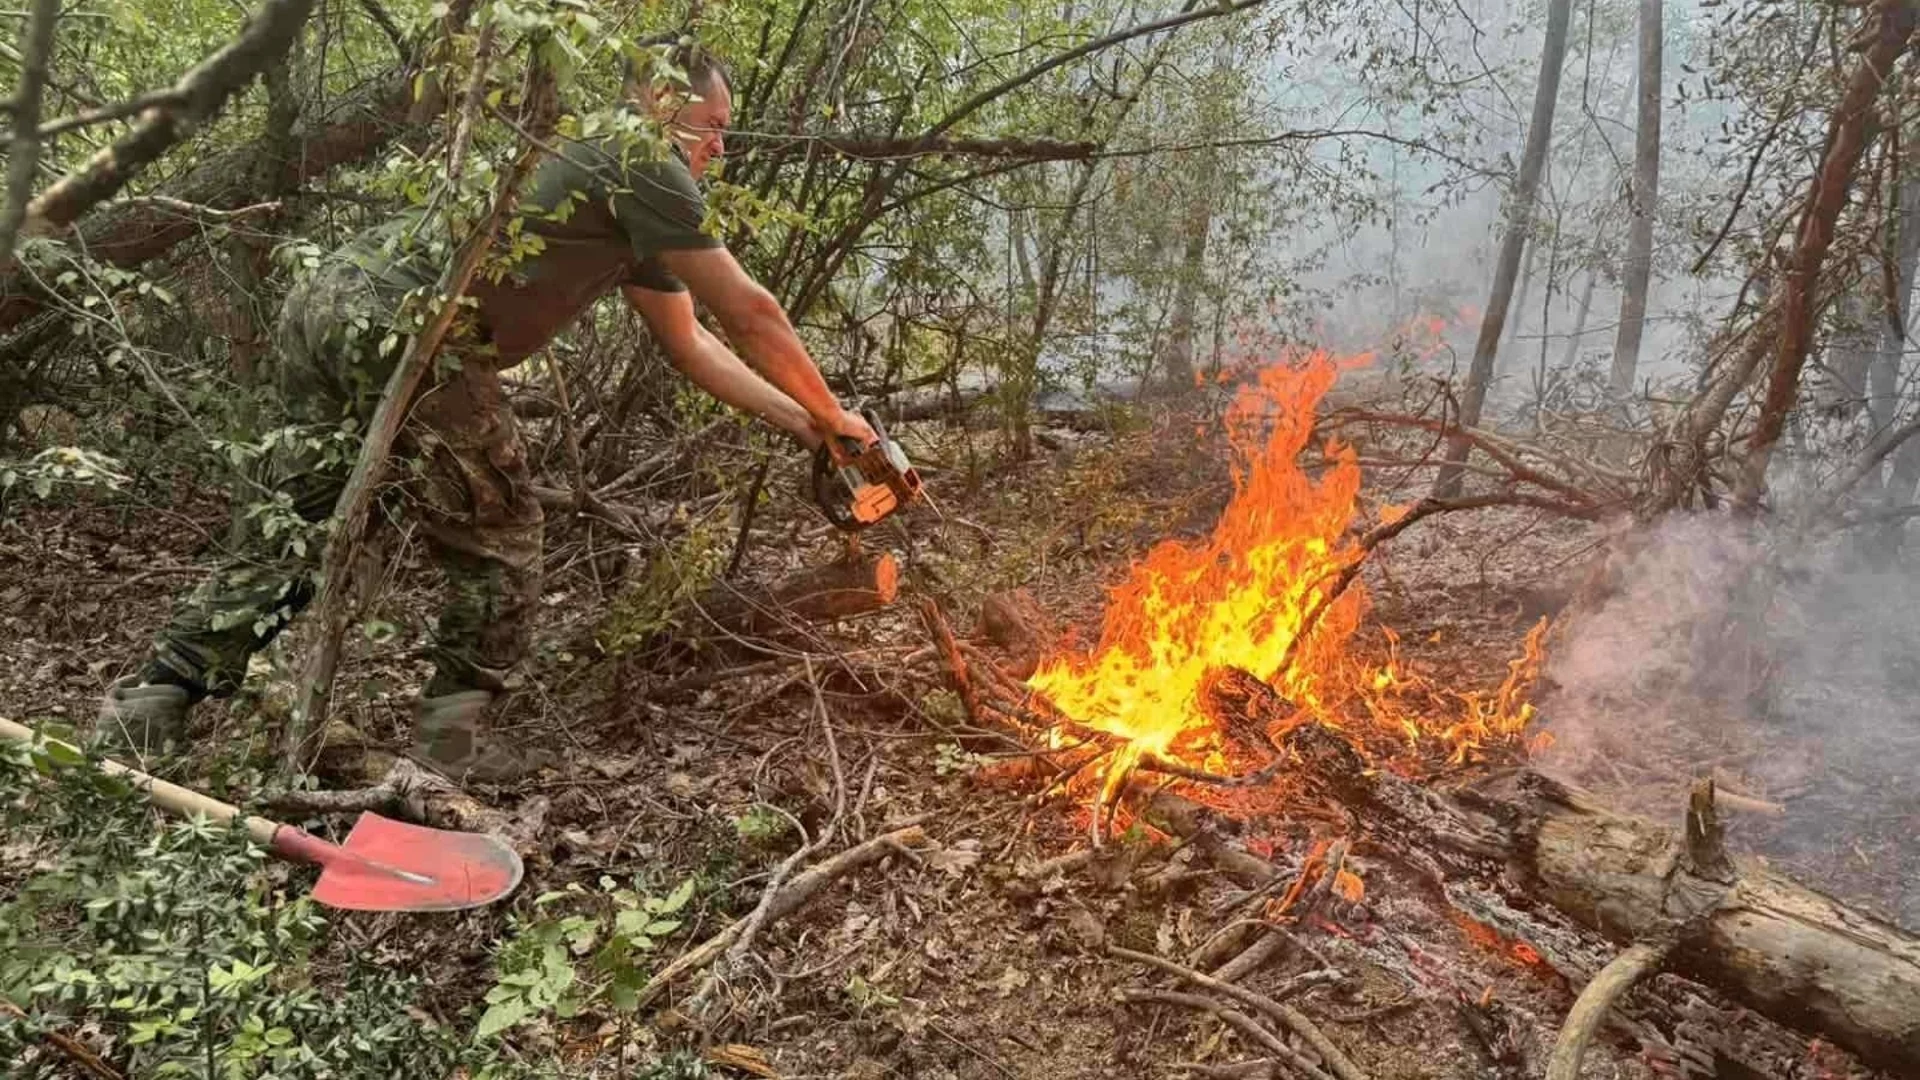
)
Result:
{"points": [[1788, 952]]}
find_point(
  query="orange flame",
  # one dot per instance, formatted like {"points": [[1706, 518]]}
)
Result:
{"points": [[1237, 598], [1242, 596]]}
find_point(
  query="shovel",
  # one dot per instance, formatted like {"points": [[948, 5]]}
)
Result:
{"points": [[385, 865]]}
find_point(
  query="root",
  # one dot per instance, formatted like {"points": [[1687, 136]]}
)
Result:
{"points": [[1591, 1007]]}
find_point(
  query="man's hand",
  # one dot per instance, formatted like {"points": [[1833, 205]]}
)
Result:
{"points": [[844, 425]]}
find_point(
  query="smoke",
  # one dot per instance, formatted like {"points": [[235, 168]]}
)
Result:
{"points": [[1786, 666]]}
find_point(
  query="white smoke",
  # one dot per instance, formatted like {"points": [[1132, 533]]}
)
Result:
{"points": [[1786, 666]]}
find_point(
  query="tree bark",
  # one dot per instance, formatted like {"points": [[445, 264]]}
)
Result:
{"points": [[201, 93], [1788, 952], [1580, 321], [23, 157], [1883, 378], [839, 590], [1177, 358], [127, 233], [1519, 222], [1852, 128], [1644, 203], [1519, 308]]}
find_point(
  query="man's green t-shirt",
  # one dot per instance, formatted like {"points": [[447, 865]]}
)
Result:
{"points": [[604, 213]]}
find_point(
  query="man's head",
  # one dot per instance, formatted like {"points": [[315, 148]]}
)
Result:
{"points": [[694, 111]]}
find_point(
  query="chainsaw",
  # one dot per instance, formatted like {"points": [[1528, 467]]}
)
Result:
{"points": [[875, 481]]}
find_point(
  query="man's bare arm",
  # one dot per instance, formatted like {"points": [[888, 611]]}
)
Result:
{"points": [[713, 367], [758, 327]]}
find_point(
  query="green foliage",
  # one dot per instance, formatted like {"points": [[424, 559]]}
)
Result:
{"points": [[761, 827], [181, 945], [675, 573], [950, 759], [59, 467], [558, 965]]}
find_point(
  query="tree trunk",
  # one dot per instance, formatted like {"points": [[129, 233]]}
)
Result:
{"points": [[1526, 286], [1519, 221], [1852, 128], [1788, 952], [1852, 344], [1580, 321], [1644, 204], [1177, 355], [1883, 378]]}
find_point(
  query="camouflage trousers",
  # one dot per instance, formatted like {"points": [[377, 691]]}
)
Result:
{"points": [[465, 481]]}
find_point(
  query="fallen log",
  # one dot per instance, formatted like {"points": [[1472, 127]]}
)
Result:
{"points": [[1790, 953], [841, 589]]}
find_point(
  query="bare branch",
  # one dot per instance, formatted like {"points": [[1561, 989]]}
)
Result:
{"points": [[203, 91], [870, 147]]}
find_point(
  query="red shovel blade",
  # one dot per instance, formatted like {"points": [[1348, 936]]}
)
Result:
{"points": [[388, 865]]}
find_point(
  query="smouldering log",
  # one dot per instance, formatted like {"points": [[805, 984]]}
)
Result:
{"points": [[1786, 951], [841, 589]]}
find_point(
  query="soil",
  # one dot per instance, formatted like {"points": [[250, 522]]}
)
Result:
{"points": [[954, 963]]}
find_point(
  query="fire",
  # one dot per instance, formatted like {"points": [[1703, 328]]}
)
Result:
{"points": [[1257, 594]]}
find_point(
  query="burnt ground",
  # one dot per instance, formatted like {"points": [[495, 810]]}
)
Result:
{"points": [[955, 962]]}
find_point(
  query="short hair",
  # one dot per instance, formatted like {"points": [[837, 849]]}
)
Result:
{"points": [[701, 66]]}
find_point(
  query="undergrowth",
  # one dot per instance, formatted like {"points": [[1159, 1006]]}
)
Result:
{"points": [[178, 949]]}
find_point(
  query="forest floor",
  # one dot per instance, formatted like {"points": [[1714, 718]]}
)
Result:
{"points": [[958, 962]]}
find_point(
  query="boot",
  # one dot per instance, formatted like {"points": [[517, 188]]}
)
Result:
{"points": [[448, 738], [143, 717]]}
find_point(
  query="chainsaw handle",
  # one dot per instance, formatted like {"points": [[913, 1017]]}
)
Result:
{"points": [[823, 470], [171, 797]]}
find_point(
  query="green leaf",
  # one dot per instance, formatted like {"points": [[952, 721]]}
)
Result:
{"points": [[662, 927], [500, 1017], [675, 900], [278, 1036]]}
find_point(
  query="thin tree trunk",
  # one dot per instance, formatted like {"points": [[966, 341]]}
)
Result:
{"points": [[1853, 127], [1177, 357], [1644, 204], [1580, 321], [1883, 379], [23, 160], [1519, 222], [1526, 286]]}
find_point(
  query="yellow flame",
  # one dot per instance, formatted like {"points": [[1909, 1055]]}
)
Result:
{"points": [[1241, 596]]}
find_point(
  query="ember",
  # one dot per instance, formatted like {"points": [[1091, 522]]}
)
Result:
{"points": [[1260, 595]]}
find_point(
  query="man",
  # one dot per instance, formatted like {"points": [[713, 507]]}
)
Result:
{"points": [[608, 215]]}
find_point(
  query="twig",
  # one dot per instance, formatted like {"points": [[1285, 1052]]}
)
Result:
{"points": [[68, 1045], [737, 952], [1591, 1007], [789, 899], [1257, 1069], [975, 1051], [1293, 1018], [1239, 1021], [203, 91], [211, 213], [942, 635], [1059, 864]]}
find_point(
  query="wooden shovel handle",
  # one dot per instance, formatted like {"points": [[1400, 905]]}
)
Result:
{"points": [[170, 797]]}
